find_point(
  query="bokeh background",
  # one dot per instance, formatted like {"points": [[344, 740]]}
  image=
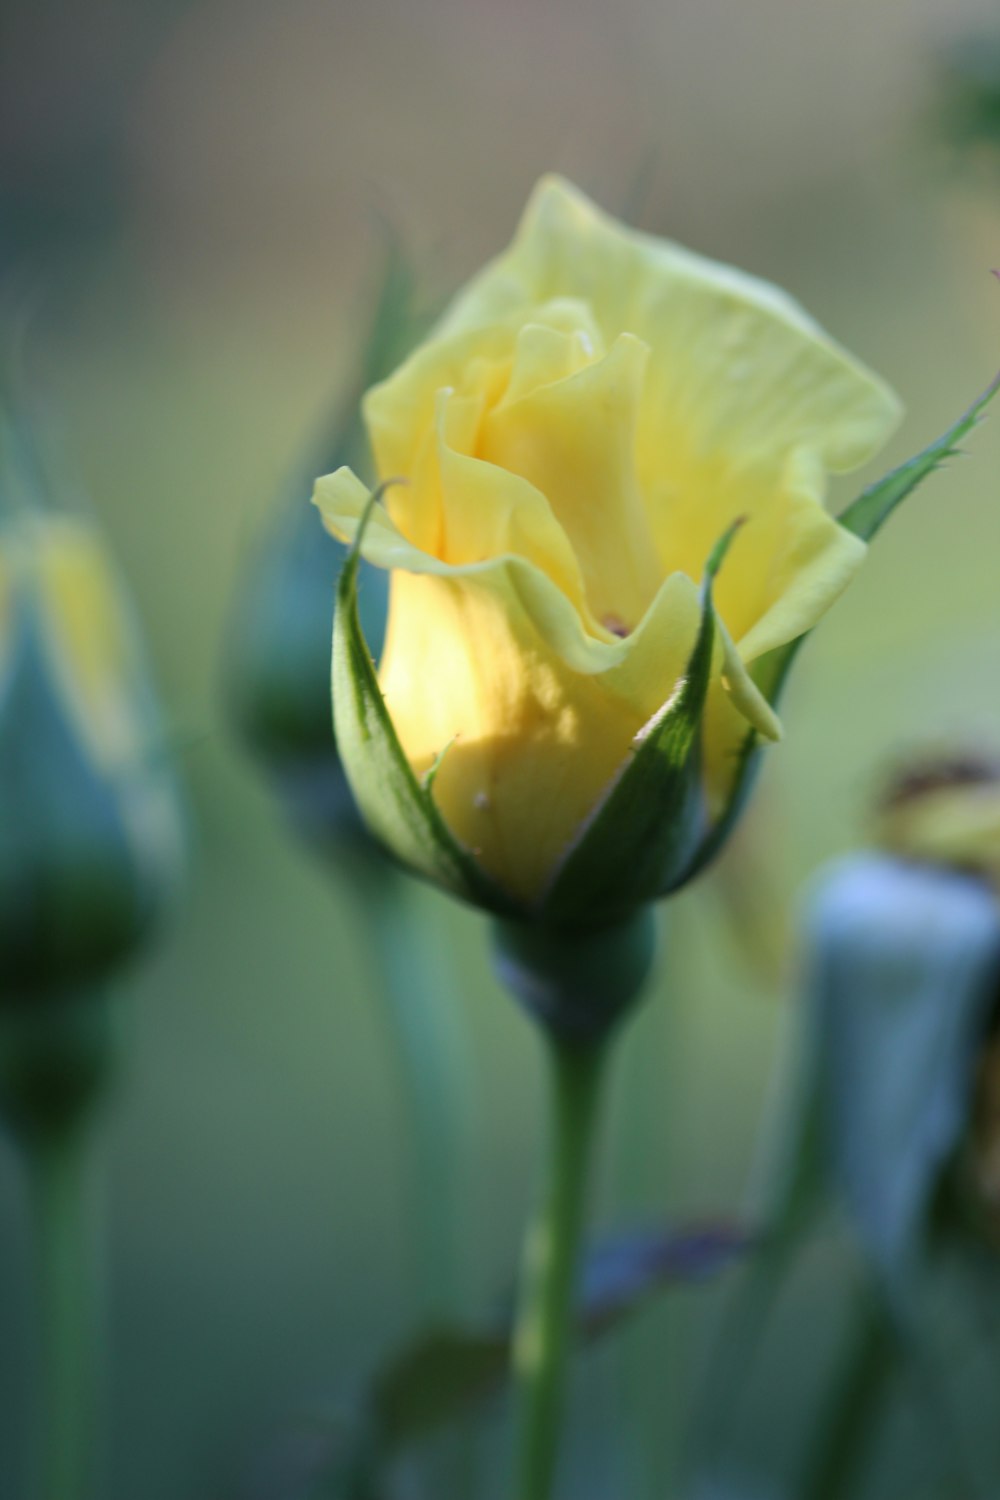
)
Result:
{"points": [[196, 191]]}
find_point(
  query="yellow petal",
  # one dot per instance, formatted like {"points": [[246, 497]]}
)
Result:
{"points": [[590, 416], [574, 439], [746, 405], [532, 744], [490, 660], [730, 350]]}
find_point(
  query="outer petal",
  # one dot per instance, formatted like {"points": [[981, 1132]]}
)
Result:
{"points": [[490, 663], [736, 354]]}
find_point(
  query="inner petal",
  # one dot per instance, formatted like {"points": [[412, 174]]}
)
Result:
{"points": [[573, 439], [487, 512]]}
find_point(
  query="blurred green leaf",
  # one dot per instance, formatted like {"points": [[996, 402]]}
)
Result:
{"points": [[436, 1379], [446, 1372], [278, 661], [968, 112]]}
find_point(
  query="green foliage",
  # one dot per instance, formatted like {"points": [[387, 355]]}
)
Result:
{"points": [[446, 1373]]}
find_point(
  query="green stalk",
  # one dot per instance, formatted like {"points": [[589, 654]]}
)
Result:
{"points": [[68, 1309], [543, 1334], [837, 1461]]}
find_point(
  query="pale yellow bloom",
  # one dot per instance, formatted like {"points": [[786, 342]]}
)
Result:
{"points": [[591, 414]]}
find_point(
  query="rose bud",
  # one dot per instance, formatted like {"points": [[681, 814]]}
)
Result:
{"points": [[566, 714], [89, 824]]}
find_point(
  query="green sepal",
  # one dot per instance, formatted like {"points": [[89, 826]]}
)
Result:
{"points": [[398, 807], [641, 837], [864, 517], [868, 513], [576, 982]]}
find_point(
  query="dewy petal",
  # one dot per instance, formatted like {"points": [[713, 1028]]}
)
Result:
{"points": [[491, 661]]}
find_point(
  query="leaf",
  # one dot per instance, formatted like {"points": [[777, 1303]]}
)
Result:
{"points": [[396, 806], [442, 1374], [446, 1371], [641, 837], [869, 512]]}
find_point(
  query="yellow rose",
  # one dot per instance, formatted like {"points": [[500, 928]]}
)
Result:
{"points": [[589, 417]]}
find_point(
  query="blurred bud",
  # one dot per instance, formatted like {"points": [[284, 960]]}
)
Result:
{"points": [[57, 1061], [982, 1154], [280, 666], [945, 812], [278, 663], [902, 977], [89, 825], [969, 93]]}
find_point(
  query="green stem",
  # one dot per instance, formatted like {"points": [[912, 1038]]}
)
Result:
{"points": [[545, 1317], [836, 1463], [67, 1284]]}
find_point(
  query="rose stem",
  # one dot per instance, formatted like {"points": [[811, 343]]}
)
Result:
{"points": [[68, 1284], [544, 1329]]}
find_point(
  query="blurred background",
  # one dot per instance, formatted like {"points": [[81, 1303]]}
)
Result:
{"points": [[196, 188]]}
